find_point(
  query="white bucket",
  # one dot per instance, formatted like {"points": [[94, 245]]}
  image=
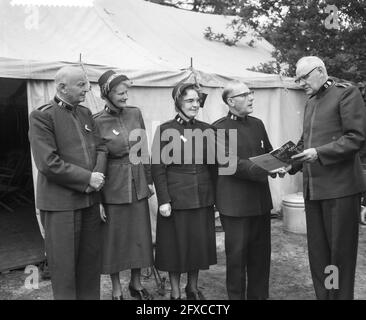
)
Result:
{"points": [[293, 211]]}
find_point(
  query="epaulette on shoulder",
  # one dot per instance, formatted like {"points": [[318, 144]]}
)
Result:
{"points": [[219, 121], [44, 107], [343, 84]]}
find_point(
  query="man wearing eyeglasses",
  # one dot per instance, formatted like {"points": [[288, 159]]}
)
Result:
{"points": [[244, 200], [333, 133]]}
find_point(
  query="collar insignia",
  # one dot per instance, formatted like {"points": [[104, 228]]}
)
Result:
{"points": [[180, 120], [110, 111], [63, 104], [325, 86]]}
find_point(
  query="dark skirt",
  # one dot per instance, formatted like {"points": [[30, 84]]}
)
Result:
{"points": [[127, 242], [186, 240]]}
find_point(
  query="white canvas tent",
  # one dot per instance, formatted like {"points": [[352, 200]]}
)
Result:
{"points": [[153, 45]]}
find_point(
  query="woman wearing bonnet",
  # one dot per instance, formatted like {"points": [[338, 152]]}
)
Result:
{"points": [[127, 241], [185, 232]]}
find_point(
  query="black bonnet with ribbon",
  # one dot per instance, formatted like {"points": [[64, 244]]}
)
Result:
{"points": [[180, 89], [110, 79]]}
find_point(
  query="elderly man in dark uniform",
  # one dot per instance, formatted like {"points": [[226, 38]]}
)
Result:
{"points": [[71, 159], [244, 200], [333, 133]]}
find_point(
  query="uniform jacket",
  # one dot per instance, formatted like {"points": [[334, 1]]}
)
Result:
{"points": [[334, 121], [66, 148], [363, 148], [122, 174], [246, 192], [186, 179]]}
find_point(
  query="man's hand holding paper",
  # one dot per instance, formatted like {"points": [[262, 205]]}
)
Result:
{"points": [[281, 172], [278, 160]]}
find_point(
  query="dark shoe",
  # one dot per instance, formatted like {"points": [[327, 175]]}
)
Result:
{"points": [[142, 294], [117, 298], [194, 295]]}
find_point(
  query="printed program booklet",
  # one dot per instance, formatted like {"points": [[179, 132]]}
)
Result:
{"points": [[277, 158]]}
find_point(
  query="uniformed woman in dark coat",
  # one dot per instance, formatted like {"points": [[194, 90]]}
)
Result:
{"points": [[127, 241], [185, 234]]}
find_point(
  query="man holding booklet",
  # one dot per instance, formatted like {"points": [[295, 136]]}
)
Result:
{"points": [[333, 133], [244, 199]]}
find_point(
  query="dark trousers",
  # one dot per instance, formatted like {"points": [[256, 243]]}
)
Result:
{"points": [[73, 247], [248, 256], [332, 232]]}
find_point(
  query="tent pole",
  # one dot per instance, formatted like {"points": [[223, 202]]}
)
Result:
{"points": [[86, 76]]}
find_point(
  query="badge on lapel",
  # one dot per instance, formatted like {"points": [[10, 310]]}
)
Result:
{"points": [[262, 144], [115, 132]]}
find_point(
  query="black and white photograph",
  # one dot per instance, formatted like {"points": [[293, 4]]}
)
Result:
{"points": [[159, 150]]}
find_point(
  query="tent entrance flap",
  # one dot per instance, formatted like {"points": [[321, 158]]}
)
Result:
{"points": [[20, 240]]}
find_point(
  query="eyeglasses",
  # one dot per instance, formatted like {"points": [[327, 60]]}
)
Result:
{"points": [[244, 94], [304, 77]]}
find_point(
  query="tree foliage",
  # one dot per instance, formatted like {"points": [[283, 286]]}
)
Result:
{"points": [[227, 7], [297, 28]]}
